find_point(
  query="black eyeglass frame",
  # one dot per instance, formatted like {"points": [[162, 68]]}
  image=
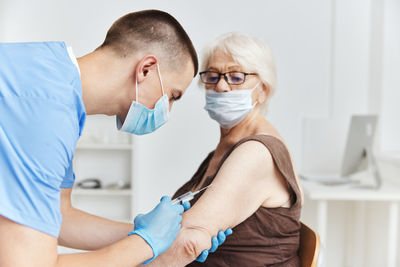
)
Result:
{"points": [[225, 77]]}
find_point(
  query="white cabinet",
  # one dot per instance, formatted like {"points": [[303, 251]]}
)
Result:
{"points": [[111, 165], [106, 154]]}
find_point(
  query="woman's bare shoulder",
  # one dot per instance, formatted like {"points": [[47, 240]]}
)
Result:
{"points": [[260, 154], [272, 131], [253, 156]]}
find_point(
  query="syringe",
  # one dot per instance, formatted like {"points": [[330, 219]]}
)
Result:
{"points": [[187, 196]]}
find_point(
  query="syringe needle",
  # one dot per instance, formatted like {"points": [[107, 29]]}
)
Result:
{"points": [[187, 196], [204, 188]]}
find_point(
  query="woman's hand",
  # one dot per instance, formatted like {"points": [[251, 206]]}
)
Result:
{"points": [[216, 241]]}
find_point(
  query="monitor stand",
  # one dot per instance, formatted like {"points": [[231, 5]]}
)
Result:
{"points": [[371, 163]]}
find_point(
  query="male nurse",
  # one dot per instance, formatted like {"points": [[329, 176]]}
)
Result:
{"points": [[145, 64]]}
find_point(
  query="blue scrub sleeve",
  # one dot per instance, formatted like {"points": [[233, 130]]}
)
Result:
{"points": [[69, 178], [37, 138]]}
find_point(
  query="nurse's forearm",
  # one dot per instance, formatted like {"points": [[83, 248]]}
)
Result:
{"points": [[84, 231], [131, 251]]}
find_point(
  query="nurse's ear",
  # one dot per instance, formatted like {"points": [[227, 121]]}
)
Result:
{"points": [[144, 66], [264, 93]]}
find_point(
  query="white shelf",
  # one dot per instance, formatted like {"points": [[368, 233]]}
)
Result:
{"points": [[390, 157], [315, 191], [104, 147], [101, 192]]}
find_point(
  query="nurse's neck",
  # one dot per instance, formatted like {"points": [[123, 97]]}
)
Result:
{"points": [[105, 78]]}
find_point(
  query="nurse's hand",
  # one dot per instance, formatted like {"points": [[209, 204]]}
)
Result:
{"points": [[186, 205], [216, 241], [159, 227]]}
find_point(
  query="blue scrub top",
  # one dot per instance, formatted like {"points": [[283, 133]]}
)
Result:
{"points": [[41, 119]]}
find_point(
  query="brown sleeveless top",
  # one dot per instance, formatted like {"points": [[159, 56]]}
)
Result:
{"points": [[270, 236]]}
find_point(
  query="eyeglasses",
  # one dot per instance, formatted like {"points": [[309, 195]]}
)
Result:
{"points": [[232, 77]]}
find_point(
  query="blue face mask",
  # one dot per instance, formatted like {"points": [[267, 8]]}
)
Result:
{"points": [[142, 120]]}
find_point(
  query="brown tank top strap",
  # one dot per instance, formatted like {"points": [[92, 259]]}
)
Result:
{"points": [[280, 155], [192, 183]]}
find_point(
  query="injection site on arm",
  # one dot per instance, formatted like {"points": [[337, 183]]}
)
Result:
{"points": [[238, 190]]}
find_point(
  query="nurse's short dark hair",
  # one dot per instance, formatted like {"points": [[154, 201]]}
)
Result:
{"points": [[152, 31]]}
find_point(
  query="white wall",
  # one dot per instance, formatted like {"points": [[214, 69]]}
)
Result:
{"points": [[391, 79], [2, 20], [324, 136], [329, 57]]}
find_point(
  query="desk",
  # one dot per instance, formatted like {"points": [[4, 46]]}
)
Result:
{"points": [[388, 192]]}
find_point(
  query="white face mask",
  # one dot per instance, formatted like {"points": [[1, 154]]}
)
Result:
{"points": [[229, 108]]}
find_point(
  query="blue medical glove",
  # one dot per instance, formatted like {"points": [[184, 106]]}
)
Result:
{"points": [[160, 226], [216, 241], [186, 205]]}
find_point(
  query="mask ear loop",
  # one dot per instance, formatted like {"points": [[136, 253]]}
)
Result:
{"points": [[255, 87], [159, 76], [137, 95]]}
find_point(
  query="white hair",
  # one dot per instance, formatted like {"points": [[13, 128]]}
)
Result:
{"points": [[250, 53]]}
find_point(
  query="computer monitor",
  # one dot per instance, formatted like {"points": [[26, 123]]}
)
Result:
{"points": [[358, 153]]}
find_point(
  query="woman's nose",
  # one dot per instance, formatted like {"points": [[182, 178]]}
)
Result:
{"points": [[222, 86]]}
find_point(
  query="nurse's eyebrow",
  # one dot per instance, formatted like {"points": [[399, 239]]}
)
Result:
{"points": [[176, 94]]}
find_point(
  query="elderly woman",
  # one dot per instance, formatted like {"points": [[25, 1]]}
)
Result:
{"points": [[254, 188]]}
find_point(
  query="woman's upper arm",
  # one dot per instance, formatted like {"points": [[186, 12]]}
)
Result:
{"points": [[243, 183]]}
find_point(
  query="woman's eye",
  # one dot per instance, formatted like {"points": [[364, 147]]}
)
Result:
{"points": [[236, 79], [212, 78]]}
